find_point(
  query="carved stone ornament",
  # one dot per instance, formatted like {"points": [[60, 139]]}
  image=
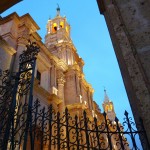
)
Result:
{"points": [[61, 80], [23, 37]]}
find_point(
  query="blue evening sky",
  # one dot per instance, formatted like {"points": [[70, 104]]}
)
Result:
{"points": [[92, 41]]}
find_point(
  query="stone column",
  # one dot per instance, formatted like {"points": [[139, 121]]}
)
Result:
{"points": [[60, 82], [126, 50], [78, 87], [53, 79], [91, 91], [89, 98]]}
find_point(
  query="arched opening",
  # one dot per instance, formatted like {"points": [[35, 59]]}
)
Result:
{"points": [[54, 29], [61, 24]]}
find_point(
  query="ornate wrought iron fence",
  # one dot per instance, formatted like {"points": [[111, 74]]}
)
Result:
{"points": [[25, 124], [51, 130], [16, 87]]}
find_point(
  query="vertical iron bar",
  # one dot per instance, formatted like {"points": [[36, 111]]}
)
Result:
{"points": [[130, 129], [42, 127], [30, 125], [12, 134], [86, 130], [35, 122], [119, 132], [67, 128], [108, 133], [29, 113], [58, 130], [97, 136], [77, 133], [11, 114], [26, 128], [50, 127]]}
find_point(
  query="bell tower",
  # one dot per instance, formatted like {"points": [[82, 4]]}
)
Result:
{"points": [[108, 107], [58, 30], [59, 42], [70, 79]]}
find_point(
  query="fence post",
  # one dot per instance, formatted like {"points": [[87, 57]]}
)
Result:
{"points": [[50, 127], [107, 131], [97, 136], [10, 122], [58, 130], [67, 128], [119, 132], [77, 134], [35, 122], [42, 127], [130, 129], [86, 130]]}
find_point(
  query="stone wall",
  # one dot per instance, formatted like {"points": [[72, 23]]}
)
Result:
{"points": [[129, 23]]}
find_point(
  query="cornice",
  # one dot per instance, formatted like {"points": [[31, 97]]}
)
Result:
{"points": [[56, 18], [68, 43], [12, 16], [61, 65], [87, 85], [36, 36], [54, 99], [27, 16], [75, 67], [21, 20], [76, 106]]}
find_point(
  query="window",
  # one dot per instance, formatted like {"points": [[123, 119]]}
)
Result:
{"points": [[38, 76], [61, 24], [54, 27]]}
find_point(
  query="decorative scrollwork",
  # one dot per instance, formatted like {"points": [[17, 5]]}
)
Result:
{"points": [[14, 90], [30, 53], [49, 128], [25, 124]]}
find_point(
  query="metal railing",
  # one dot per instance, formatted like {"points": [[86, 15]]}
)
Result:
{"points": [[25, 124]]}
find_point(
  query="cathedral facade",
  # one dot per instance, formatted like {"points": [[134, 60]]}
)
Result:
{"points": [[59, 79]]}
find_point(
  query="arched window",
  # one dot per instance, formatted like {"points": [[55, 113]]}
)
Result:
{"points": [[61, 24], [106, 108], [54, 29]]}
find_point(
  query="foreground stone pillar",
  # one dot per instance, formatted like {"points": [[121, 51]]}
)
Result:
{"points": [[61, 82], [131, 45]]}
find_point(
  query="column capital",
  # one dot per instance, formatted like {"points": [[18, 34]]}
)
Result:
{"points": [[60, 77], [61, 80]]}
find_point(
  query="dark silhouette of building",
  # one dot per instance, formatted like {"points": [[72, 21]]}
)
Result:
{"points": [[5, 4], [128, 23]]}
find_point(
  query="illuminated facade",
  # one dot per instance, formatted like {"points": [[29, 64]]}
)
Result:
{"points": [[59, 77]]}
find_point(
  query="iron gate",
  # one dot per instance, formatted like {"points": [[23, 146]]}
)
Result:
{"points": [[24, 124]]}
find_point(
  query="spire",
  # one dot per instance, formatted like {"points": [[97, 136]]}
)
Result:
{"points": [[106, 98], [58, 10]]}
